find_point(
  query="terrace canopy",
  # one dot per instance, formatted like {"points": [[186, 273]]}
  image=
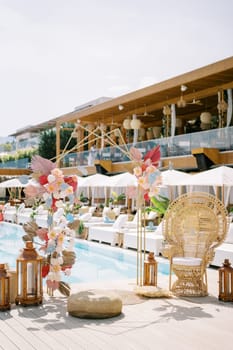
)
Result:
{"points": [[173, 182], [94, 186], [220, 178]]}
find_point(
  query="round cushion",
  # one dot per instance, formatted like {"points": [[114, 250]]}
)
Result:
{"points": [[188, 261], [94, 304]]}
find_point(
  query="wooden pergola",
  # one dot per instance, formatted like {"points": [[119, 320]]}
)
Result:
{"points": [[203, 86]]}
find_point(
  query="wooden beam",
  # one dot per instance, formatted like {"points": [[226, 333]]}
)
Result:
{"points": [[211, 153], [106, 164], [14, 172]]}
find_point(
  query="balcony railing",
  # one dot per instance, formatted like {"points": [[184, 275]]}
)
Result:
{"points": [[179, 145]]}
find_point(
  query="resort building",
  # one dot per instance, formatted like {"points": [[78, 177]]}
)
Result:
{"points": [[189, 116]]}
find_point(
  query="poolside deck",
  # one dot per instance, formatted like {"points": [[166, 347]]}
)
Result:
{"points": [[177, 323]]}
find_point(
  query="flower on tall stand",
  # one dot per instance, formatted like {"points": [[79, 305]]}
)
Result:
{"points": [[147, 172], [57, 191], [148, 179]]}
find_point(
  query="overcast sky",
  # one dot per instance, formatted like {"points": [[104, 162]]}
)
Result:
{"points": [[58, 54]]}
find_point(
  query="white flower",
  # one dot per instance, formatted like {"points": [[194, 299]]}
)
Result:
{"points": [[51, 178]]}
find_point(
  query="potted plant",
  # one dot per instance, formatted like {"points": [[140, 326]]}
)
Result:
{"points": [[117, 199], [82, 231], [159, 204]]}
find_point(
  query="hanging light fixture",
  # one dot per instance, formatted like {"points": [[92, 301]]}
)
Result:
{"points": [[127, 123], [135, 123], [206, 117]]}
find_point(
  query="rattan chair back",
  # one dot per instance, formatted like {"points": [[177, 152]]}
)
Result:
{"points": [[194, 224]]}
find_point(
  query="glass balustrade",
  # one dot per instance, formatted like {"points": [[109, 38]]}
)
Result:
{"points": [[179, 145]]}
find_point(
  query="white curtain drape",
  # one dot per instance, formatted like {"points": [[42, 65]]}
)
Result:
{"points": [[229, 107], [173, 119]]}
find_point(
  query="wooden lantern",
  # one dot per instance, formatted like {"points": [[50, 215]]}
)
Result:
{"points": [[29, 277], [150, 271], [226, 282], [4, 289]]}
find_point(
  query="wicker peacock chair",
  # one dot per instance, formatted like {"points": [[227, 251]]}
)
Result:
{"points": [[193, 226]]}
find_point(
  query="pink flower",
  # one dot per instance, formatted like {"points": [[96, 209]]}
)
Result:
{"points": [[131, 192], [137, 171], [32, 191], [43, 179], [135, 154], [153, 155], [42, 233]]}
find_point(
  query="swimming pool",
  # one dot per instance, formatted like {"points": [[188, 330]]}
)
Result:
{"points": [[94, 261]]}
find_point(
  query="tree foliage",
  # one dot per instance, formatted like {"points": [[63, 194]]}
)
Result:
{"points": [[47, 143]]}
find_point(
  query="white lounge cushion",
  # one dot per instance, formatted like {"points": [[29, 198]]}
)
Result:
{"points": [[105, 211], [120, 221], [229, 237], [224, 251], [107, 220], [117, 211], [92, 210], [40, 210], [151, 215], [21, 207], [84, 209], [153, 241], [86, 217], [187, 261]]}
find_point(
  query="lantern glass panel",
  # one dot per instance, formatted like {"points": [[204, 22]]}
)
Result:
{"points": [[226, 281], [4, 289], [29, 278]]}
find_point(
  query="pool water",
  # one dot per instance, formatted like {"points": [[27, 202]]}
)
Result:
{"points": [[94, 261], [10, 243]]}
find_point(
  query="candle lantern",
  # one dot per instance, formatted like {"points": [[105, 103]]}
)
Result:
{"points": [[150, 271], [4, 289], [226, 282], [29, 277]]}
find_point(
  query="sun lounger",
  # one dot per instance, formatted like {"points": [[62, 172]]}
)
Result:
{"points": [[9, 213], [225, 250], [41, 217], [153, 240], [107, 234], [24, 215]]}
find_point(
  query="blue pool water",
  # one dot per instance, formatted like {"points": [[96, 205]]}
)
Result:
{"points": [[94, 262]]}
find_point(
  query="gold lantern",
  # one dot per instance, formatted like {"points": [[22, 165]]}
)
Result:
{"points": [[29, 277], [150, 271], [226, 281], [4, 289]]}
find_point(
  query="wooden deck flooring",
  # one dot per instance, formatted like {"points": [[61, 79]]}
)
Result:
{"points": [[177, 323]]}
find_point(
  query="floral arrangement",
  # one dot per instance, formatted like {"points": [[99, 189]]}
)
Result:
{"points": [[147, 172], [57, 191]]}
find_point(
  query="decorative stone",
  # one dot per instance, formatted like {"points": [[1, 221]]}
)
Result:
{"points": [[94, 304]]}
